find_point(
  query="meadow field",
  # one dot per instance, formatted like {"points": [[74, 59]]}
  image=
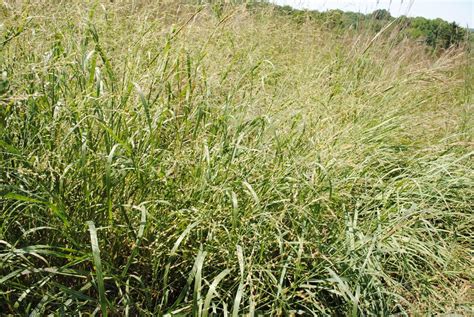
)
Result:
{"points": [[171, 158]]}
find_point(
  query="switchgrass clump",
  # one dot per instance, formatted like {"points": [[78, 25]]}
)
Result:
{"points": [[178, 159]]}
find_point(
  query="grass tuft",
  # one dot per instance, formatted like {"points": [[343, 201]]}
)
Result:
{"points": [[236, 161]]}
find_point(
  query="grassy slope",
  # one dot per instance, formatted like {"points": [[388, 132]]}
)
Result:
{"points": [[229, 161]]}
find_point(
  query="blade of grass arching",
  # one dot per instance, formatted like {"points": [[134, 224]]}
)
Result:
{"points": [[114, 136], [378, 35], [212, 290], [15, 273], [240, 289], [127, 297], [9, 148], [108, 182], [145, 105], [32, 289], [174, 249], [252, 193], [240, 257], [138, 241], [18, 197], [98, 267], [343, 287], [238, 297], [91, 58], [355, 301], [197, 263], [197, 301], [72, 293], [39, 309], [235, 216], [55, 209], [282, 277]]}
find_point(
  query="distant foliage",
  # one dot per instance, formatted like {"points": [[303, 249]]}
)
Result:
{"points": [[381, 14], [437, 33]]}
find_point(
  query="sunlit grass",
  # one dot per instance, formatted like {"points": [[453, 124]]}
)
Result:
{"points": [[181, 159]]}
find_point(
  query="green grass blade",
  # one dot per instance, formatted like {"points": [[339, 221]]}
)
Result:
{"points": [[98, 267]]}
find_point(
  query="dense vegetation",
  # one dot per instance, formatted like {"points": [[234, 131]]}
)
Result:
{"points": [[209, 160], [435, 33]]}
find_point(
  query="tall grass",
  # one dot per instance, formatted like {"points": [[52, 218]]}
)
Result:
{"points": [[167, 159]]}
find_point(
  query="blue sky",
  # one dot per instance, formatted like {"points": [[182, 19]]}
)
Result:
{"points": [[460, 11]]}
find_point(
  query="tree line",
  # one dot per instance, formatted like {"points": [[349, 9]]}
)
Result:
{"points": [[436, 33]]}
